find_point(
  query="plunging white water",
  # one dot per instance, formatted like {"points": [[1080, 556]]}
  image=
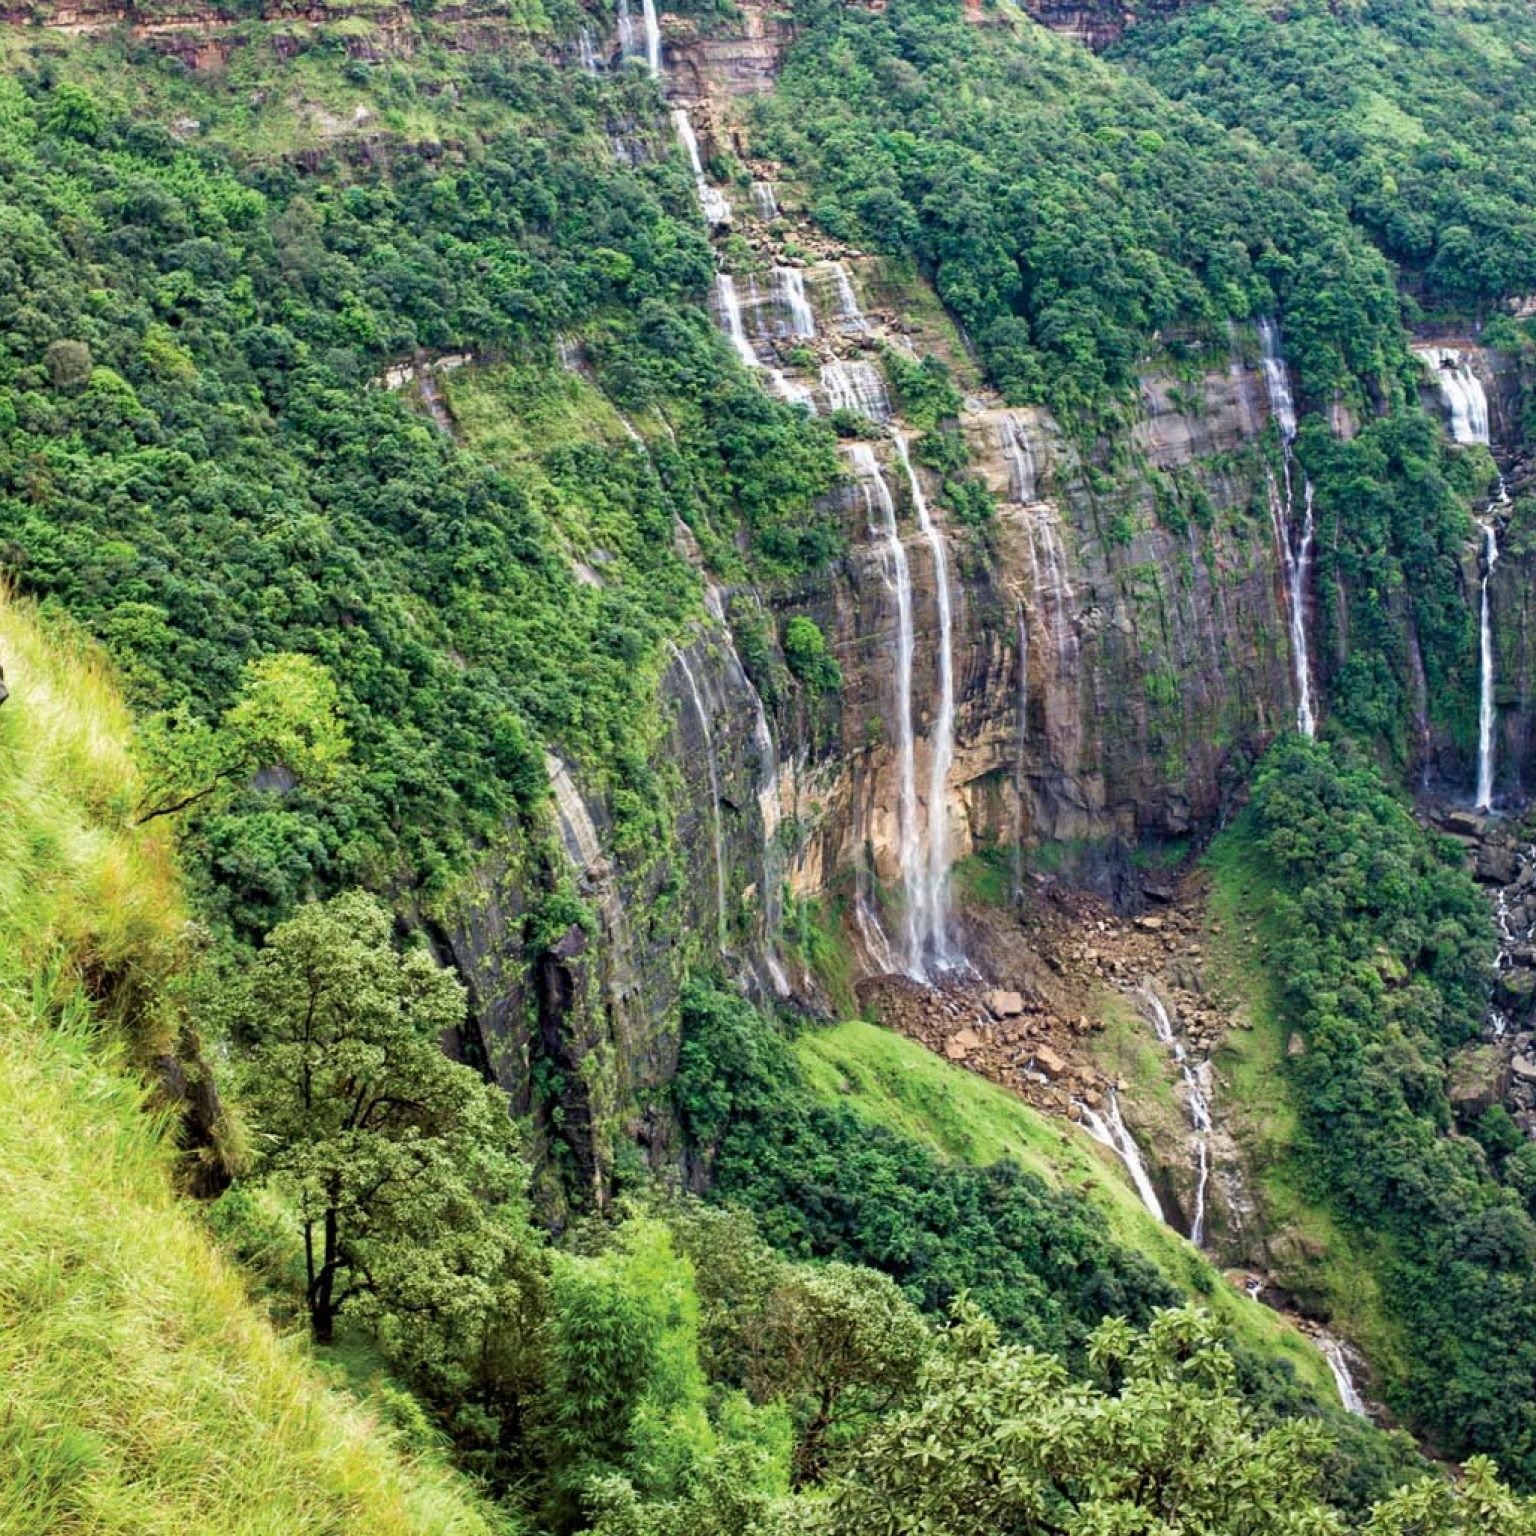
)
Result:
{"points": [[714, 204], [881, 508], [714, 787], [1485, 708], [764, 200], [1013, 439], [730, 313], [652, 37], [1196, 1104], [1296, 551], [1349, 1393], [627, 46], [941, 739], [850, 317], [856, 387], [1462, 391], [588, 52], [1021, 658], [789, 291], [1110, 1130]]}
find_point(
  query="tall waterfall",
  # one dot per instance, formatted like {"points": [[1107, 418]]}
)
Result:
{"points": [[713, 203], [730, 313], [627, 48], [1197, 1105], [652, 37], [713, 765], [1021, 629], [1460, 389], [789, 290], [941, 739], [850, 317], [881, 507], [1110, 1130], [1485, 707], [1297, 551]]}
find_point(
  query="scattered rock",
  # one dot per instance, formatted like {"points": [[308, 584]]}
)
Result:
{"points": [[1150, 924], [1005, 1005], [1049, 1062]]}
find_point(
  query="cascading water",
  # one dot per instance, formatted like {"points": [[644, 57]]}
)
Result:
{"points": [[881, 508], [652, 37], [1021, 628], [627, 47], [587, 51], [1110, 1130], [1013, 439], [1466, 402], [713, 765], [1196, 1103], [1485, 705], [764, 200], [714, 204], [1349, 1393], [856, 387], [941, 739], [1297, 552], [1462, 391], [849, 316], [730, 313], [789, 292]]}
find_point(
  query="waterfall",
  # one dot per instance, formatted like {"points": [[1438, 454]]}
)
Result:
{"points": [[881, 508], [941, 740], [789, 291], [768, 804], [730, 313], [1013, 439], [588, 52], [764, 200], [652, 37], [1460, 389], [1485, 708], [1297, 553], [1110, 1130], [1196, 1103], [714, 204], [627, 47], [856, 387], [714, 787], [1349, 1393], [850, 316], [1022, 655]]}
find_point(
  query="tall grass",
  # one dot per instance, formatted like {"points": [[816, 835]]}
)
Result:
{"points": [[142, 1391]]}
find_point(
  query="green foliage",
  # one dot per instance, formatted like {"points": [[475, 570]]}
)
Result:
{"points": [[1417, 114], [823, 1182], [1064, 212], [398, 1160], [1381, 959], [806, 654]]}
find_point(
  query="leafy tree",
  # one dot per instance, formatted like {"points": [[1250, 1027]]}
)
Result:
{"points": [[285, 718], [400, 1162]]}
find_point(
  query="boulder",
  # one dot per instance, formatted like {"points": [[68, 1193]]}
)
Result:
{"points": [[1049, 1062], [1004, 1004], [1497, 864]]}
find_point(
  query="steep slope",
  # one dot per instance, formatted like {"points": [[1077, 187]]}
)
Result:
{"points": [[144, 1390]]}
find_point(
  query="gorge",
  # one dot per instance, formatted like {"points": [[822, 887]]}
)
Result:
{"points": [[757, 717]]}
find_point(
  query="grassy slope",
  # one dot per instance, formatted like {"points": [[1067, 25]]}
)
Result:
{"points": [[143, 1392], [897, 1083], [1312, 1256]]}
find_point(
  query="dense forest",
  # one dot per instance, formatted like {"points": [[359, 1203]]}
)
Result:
{"points": [[553, 556]]}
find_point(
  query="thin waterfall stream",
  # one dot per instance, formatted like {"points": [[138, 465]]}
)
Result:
{"points": [[1296, 550], [1196, 1104], [707, 732], [941, 742]]}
